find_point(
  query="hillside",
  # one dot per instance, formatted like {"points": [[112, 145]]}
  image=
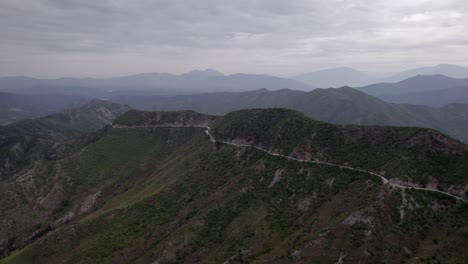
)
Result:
{"points": [[381, 149], [341, 106], [152, 189], [87, 118], [26, 141]]}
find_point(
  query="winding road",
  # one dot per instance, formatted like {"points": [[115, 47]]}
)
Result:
{"points": [[214, 140]]}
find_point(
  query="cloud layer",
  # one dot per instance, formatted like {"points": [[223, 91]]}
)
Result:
{"points": [[113, 37]]}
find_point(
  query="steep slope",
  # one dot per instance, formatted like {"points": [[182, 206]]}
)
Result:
{"points": [[400, 152], [15, 107], [53, 191], [163, 192], [24, 142], [342, 106], [87, 118]]}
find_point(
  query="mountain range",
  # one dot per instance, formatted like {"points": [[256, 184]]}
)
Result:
{"points": [[340, 106], [338, 175], [336, 77], [150, 83], [450, 70], [432, 90], [154, 187], [199, 81], [344, 76], [401, 103], [419, 83]]}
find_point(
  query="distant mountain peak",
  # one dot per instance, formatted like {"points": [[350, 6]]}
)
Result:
{"points": [[447, 81], [335, 77], [428, 76], [206, 72], [449, 70]]}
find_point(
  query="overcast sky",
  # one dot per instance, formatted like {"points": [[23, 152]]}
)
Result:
{"points": [[56, 38]]}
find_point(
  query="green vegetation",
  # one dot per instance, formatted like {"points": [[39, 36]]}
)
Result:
{"points": [[53, 136], [415, 154], [170, 195], [336, 105]]}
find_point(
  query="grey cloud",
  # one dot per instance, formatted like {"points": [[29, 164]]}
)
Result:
{"points": [[82, 37]]}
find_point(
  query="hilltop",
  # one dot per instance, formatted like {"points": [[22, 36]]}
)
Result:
{"points": [[407, 153], [150, 188]]}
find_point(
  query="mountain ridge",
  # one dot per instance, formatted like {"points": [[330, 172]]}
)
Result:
{"points": [[24, 142], [177, 197], [345, 76], [339, 105], [418, 83], [159, 120], [151, 83]]}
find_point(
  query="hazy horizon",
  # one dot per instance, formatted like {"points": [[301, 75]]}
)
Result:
{"points": [[52, 38], [377, 73]]}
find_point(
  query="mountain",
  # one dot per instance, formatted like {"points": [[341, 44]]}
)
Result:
{"points": [[341, 106], [420, 83], [153, 187], [436, 98], [150, 83], [449, 70], [204, 73], [87, 118], [248, 82], [24, 142], [344, 76], [199, 81], [336, 77], [431, 90], [15, 107]]}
